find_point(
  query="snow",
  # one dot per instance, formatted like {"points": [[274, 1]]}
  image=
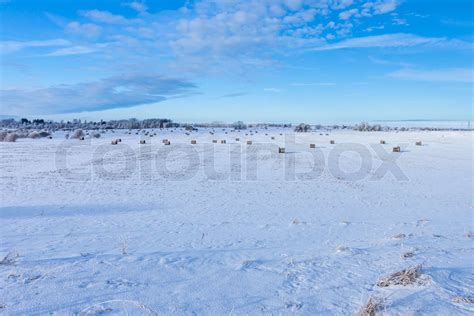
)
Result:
{"points": [[230, 229]]}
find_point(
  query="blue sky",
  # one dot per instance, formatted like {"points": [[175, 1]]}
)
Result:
{"points": [[226, 60]]}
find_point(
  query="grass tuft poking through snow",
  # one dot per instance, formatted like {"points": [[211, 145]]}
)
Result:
{"points": [[408, 276], [371, 308], [10, 259]]}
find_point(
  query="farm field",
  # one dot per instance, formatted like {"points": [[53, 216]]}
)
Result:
{"points": [[88, 227]]}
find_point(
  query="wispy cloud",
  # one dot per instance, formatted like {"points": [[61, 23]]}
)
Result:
{"points": [[394, 40], [114, 92], [233, 95], [73, 50], [313, 84], [13, 46], [461, 75], [273, 90]]}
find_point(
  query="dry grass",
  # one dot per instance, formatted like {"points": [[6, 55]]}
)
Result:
{"points": [[399, 236], [408, 254], [10, 258], [463, 299], [371, 308], [408, 276]]}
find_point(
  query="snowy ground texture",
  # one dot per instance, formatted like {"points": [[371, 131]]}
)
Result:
{"points": [[92, 228]]}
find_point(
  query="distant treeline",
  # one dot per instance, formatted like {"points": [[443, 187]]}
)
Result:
{"points": [[41, 124]]}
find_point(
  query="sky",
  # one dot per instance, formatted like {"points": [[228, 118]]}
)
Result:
{"points": [[227, 60]]}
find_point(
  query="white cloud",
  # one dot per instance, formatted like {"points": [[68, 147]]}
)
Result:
{"points": [[84, 29], [461, 75], [137, 6], [385, 6], [345, 15], [104, 17]]}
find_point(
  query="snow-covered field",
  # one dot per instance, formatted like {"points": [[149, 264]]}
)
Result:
{"points": [[235, 228]]}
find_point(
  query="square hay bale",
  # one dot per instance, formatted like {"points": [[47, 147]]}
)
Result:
{"points": [[281, 150], [167, 143], [419, 143], [332, 142], [249, 142], [237, 139], [164, 140], [114, 142], [382, 142], [312, 145], [142, 141], [223, 141], [396, 149], [214, 141], [193, 142]]}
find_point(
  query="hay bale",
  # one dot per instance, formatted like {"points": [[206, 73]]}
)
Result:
{"points": [[332, 142], [382, 142], [214, 141], [167, 143], [78, 133], [34, 135], [237, 139], [43, 133], [3, 133], [396, 149], [281, 150], [164, 140], [312, 145], [223, 141], [142, 142], [273, 137], [193, 142], [11, 137], [418, 143], [249, 142]]}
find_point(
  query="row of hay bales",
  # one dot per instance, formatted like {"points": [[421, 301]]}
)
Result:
{"points": [[13, 135], [281, 150]]}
